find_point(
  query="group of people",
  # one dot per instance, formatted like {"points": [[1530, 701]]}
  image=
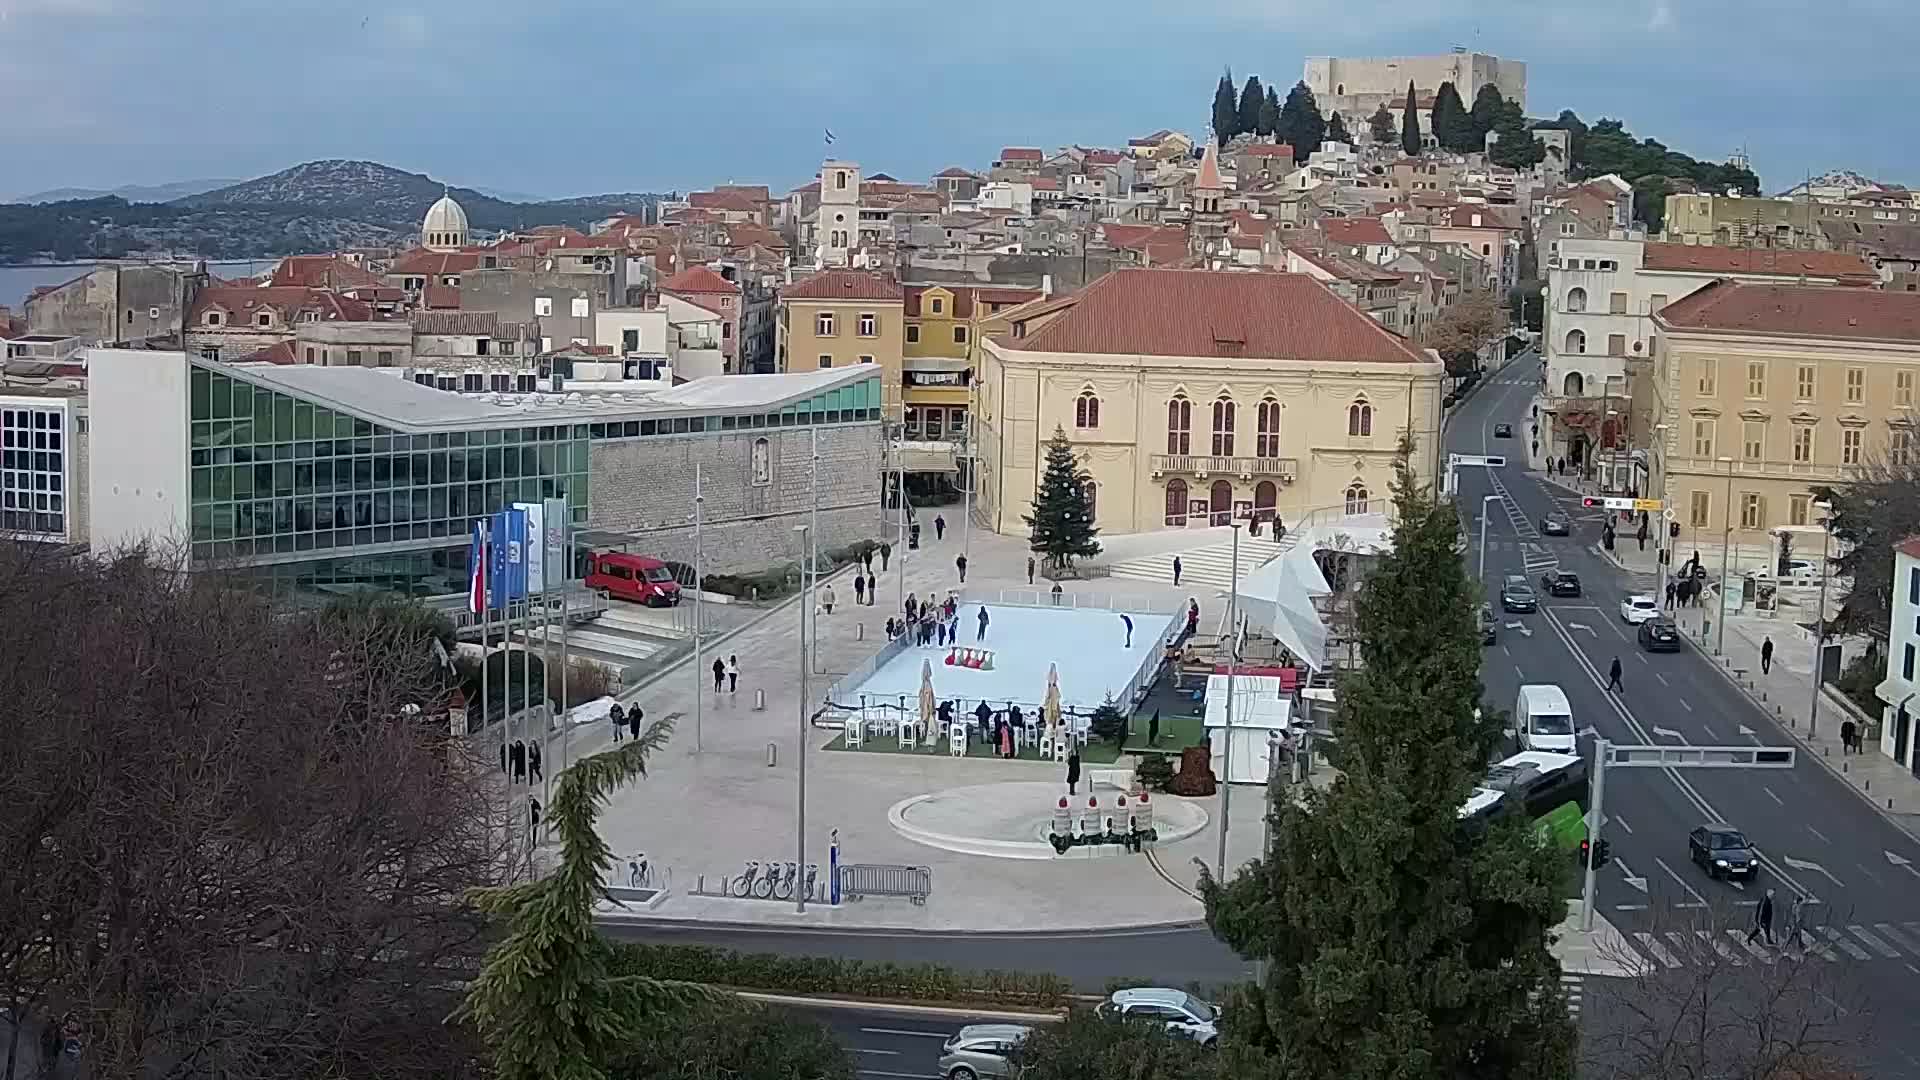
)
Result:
{"points": [[520, 760], [1002, 729], [1796, 921], [725, 674], [932, 623]]}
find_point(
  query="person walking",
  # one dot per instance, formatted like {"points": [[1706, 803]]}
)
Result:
{"points": [[619, 718], [733, 674], [826, 599], [518, 755], [1671, 589], [1762, 920], [533, 762], [983, 716], [866, 561], [1797, 923], [953, 629], [960, 563], [719, 674], [1029, 569], [1640, 534], [1176, 571], [1055, 592], [981, 635], [1848, 732], [939, 527], [1613, 676], [634, 716], [941, 632], [1766, 655], [1073, 771], [859, 589], [1127, 621]]}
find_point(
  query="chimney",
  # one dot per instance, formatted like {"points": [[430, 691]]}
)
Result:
{"points": [[1046, 285]]}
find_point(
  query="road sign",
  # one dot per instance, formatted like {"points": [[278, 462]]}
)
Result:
{"points": [[1670, 514], [1649, 505], [1491, 461], [1616, 503]]}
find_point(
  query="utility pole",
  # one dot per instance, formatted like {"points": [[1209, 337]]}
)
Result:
{"points": [[809, 544], [1596, 817], [699, 611], [1233, 666], [1820, 619]]}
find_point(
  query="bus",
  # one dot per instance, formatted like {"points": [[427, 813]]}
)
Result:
{"points": [[1550, 789]]}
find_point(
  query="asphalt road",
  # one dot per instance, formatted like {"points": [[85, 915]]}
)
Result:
{"points": [[891, 1045]]}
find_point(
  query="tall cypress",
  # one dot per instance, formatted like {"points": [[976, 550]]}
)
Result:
{"points": [[1301, 126], [1337, 130], [1269, 113], [1452, 128], [1247, 120], [1226, 112], [1487, 106], [1410, 124]]}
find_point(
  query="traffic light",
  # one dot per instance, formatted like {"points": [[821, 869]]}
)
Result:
{"points": [[1586, 852], [1602, 854], [1592, 503]]}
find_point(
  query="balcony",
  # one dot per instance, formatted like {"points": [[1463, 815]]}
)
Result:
{"points": [[1247, 468], [1767, 469]]}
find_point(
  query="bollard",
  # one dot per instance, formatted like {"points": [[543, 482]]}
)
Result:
{"points": [[760, 700], [1866, 785], [773, 754], [700, 885], [859, 631], [1889, 804], [1843, 768]]}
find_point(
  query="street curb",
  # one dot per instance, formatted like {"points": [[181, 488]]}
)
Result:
{"points": [[861, 1005], [1113, 930]]}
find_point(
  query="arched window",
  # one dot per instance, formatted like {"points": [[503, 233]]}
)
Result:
{"points": [[1176, 502], [1356, 498], [1266, 441], [1360, 418], [1265, 498], [1179, 426], [1223, 416], [1220, 503], [1093, 499], [1576, 299], [1576, 341], [1574, 385], [1086, 410]]}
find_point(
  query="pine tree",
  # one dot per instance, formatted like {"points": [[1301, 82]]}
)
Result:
{"points": [[1487, 103], [1247, 117], [1410, 125], [1062, 519], [1301, 125], [1269, 113], [1380, 125], [1452, 127], [1337, 130], [1397, 943], [1226, 114], [1516, 148]]}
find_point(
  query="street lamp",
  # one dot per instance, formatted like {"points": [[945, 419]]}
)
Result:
{"points": [[1484, 500], [1820, 618], [1661, 550], [806, 664], [699, 606], [1726, 549], [1606, 440]]}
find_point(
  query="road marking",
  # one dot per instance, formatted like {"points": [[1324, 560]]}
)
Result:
{"points": [[1901, 862], [1874, 943], [1839, 939], [901, 1075], [1652, 946], [1818, 833], [1622, 822], [1630, 907], [883, 1053], [1506, 650], [1632, 881], [1897, 936], [1748, 732], [1759, 953], [1662, 678], [1771, 795], [1683, 704], [1720, 947], [1669, 733], [1581, 626], [1700, 901], [1709, 733], [1642, 657], [1812, 867], [913, 1034]]}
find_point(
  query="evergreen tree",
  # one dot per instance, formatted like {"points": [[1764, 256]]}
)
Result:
{"points": [[1397, 943], [1337, 130], [1269, 113], [1517, 148], [1410, 125], [1247, 118], [1301, 125], [1487, 104], [1226, 114], [1452, 127], [1380, 125], [1062, 519]]}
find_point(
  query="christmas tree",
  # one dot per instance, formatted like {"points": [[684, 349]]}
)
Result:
{"points": [[1062, 518]]}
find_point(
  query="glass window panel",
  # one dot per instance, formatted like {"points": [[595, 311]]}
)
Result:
{"points": [[262, 410], [202, 485], [283, 418], [221, 389], [362, 429], [283, 479], [202, 523], [303, 420], [243, 481], [198, 380], [362, 474], [223, 521], [436, 467], [222, 482], [494, 466]]}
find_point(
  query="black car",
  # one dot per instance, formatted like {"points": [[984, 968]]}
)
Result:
{"points": [[1489, 626], [1560, 583], [1722, 851], [1503, 431], [1555, 525], [1659, 635], [1517, 595]]}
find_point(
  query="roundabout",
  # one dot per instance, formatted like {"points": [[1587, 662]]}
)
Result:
{"points": [[1016, 819]]}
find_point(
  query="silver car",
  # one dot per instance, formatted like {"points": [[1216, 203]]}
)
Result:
{"points": [[981, 1051]]}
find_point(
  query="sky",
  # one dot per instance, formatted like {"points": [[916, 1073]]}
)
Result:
{"points": [[562, 98]]}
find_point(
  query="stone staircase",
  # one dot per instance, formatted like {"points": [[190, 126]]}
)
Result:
{"points": [[1210, 566]]}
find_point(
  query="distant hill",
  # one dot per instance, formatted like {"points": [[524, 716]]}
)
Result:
{"points": [[315, 206], [133, 193]]}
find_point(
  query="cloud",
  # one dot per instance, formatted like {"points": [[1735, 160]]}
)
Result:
{"points": [[1661, 17]]}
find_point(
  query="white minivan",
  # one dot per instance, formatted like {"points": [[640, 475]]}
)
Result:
{"points": [[1543, 719]]}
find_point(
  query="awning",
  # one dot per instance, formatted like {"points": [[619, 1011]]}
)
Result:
{"points": [[1895, 692]]}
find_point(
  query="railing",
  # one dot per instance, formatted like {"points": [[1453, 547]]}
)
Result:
{"points": [[578, 603], [1748, 467], [1205, 465]]}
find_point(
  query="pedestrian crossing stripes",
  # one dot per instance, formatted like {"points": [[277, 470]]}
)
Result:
{"points": [[1210, 567], [1733, 947], [1574, 987]]}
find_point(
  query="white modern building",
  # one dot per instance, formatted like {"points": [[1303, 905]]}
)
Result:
{"points": [[1901, 688]]}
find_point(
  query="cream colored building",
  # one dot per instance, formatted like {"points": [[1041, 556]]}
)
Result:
{"points": [[1195, 397], [837, 318], [1769, 389]]}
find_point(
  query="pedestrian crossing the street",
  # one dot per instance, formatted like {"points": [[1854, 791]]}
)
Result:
{"points": [[1881, 942], [1207, 567]]}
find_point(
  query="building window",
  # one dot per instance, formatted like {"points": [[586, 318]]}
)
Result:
{"points": [[1899, 447], [1360, 419], [1093, 499], [959, 335], [1223, 418], [1179, 426], [1086, 410], [866, 359], [826, 360], [939, 304], [1850, 446], [582, 307], [212, 318], [1709, 376], [629, 341], [1577, 342], [1753, 510], [1616, 344], [263, 319], [1699, 504], [1797, 506], [1803, 382], [1856, 385], [1803, 443], [760, 461], [1756, 380], [1616, 302], [1754, 439], [309, 354], [1703, 438], [1903, 387], [1576, 299], [913, 335], [543, 306], [869, 324], [1176, 502], [1357, 498], [1266, 441], [1906, 662], [386, 357], [823, 324]]}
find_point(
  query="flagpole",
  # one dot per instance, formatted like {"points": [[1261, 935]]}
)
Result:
{"points": [[566, 596], [546, 661], [486, 624]]}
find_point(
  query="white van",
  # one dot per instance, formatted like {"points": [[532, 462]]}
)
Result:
{"points": [[1543, 719]]}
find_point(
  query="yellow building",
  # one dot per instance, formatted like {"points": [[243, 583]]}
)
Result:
{"points": [[944, 326], [1194, 397], [1766, 390], [837, 318]]}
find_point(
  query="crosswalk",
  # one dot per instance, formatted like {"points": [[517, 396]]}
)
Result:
{"points": [[1210, 566], [1880, 942], [1574, 987]]}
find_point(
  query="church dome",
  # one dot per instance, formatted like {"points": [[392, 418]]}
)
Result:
{"points": [[445, 226]]}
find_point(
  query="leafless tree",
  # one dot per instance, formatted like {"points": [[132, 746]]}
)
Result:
{"points": [[1724, 1012], [230, 846]]}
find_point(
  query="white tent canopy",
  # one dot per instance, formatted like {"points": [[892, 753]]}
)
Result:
{"points": [[1258, 710], [1277, 598]]}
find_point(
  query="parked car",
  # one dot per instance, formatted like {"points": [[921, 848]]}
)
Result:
{"points": [[641, 579], [1658, 634], [1503, 431], [1517, 595], [1722, 851], [1638, 609], [1560, 583], [1799, 571], [1556, 524], [1184, 1014], [1489, 625], [982, 1051]]}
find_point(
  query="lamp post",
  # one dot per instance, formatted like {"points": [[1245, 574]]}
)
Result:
{"points": [[1820, 618], [1233, 667], [1661, 551], [1726, 549], [1484, 512], [1606, 439], [806, 665], [699, 609]]}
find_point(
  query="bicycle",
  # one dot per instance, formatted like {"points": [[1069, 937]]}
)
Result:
{"points": [[743, 885], [813, 871], [783, 883], [763, 888]]}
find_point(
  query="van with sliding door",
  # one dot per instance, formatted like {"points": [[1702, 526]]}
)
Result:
{"points": [[1543, 719]]}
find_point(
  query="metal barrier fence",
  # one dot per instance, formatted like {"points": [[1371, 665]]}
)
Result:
{"points": [[859, 880], [1088, 601]]}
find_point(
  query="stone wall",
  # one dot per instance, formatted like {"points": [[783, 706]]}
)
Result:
{"points": [[644, 487]]}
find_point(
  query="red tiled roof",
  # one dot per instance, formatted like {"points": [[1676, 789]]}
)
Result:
{"points": [[967, 297], [1105, 157], [756, 192], [440, 298], [1840, 265], [1244, 221], [842, 285], [1267, 150], [723, 200], [1910, 547], [1218, 314], [1344, 267], [1020, 153], [280, 352], [422, 262], [1355, 232], [322, 272], [288, 300], [1045, 183], [699, 279], [1807, 311]]}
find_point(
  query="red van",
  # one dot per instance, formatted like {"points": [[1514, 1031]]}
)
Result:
{"points": [[642, 579]]}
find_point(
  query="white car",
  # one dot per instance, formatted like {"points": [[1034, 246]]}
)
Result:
{"points": [[1183, 1013], [1638, 609]]}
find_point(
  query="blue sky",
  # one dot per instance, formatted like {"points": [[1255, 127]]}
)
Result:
{"points": [[561, 98]]}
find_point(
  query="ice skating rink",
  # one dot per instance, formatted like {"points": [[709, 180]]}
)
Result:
{"points": [[1088, 645]]}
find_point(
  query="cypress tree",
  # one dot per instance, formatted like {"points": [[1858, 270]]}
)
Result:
{"points": [[1380, 125], [1452, 128], [1301, 125], [1516, 148], [1269, 113], [1410, 125], [1247, 119], [1062, 519], [1337, 130], [1226, 114]]}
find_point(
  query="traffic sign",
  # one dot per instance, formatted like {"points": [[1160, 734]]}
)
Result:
{"points": [[1613, 503], [1491, 461], [1670, 513]]}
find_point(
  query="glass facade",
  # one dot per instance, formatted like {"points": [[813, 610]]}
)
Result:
{"points": [[33, 498]]}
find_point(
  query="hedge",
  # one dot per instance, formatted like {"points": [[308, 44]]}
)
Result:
{"points": [[840, 976]]}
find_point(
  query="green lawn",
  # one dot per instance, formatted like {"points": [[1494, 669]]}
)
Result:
{"points": [[1176, 733], [1098, 753]]}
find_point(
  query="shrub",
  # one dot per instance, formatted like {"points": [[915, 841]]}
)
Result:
{"points": [[1108, 722], [1859, 678], [587, 681], [838, 975], [1153, 771]]}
